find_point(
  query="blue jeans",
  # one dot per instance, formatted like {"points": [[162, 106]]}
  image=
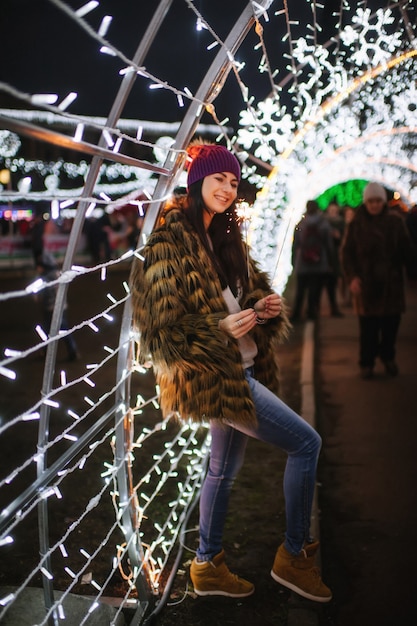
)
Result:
{"points": [[283, 428]]}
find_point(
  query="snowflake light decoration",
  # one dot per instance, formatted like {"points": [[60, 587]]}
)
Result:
{"points": [[9, 143], [333, 139], [371, 42]]}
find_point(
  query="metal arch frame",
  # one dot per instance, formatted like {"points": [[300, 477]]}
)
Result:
{"points": [[210, 86], [114, 115]]}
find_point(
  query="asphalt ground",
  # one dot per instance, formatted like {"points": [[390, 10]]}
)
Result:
{"points": [[365, 512], [368, 475]]}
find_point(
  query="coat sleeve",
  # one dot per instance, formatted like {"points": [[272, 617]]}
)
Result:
{"points": [[277, 327], [165, 288], [267, 336], [349, 255], [409, 250]]}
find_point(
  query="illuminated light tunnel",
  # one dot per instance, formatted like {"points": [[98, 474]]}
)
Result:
{"points": [[314, 112]]}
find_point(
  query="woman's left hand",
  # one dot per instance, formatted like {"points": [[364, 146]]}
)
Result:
{"points": [[269, 307]]}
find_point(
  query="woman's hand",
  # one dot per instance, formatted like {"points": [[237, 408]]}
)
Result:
{"points": [[238, 324], [269, 307]]}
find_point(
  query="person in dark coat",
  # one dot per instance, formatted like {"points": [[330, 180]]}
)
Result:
{"points": [[312, 258], [375, 252], [411, 223], [332, 279]]}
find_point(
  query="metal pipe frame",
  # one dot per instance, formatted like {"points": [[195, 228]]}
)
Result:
{"points": [[209, 88], [114, 115]]}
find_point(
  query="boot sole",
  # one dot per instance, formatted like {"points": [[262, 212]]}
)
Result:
{"points": [[223, 593], [301, 592]]}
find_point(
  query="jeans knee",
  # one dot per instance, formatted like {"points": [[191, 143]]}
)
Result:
{"points": [[311, 446], [319, 442]]}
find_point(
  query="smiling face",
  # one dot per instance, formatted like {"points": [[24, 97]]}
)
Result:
{"points": [[219, 191]]}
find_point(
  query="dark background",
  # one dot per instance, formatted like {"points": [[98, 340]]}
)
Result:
{"points": [[44, 51]]}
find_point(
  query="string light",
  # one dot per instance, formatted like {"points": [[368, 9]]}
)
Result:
{"points": [[313, 138]]}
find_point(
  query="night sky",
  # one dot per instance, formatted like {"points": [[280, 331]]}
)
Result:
{"points": [[44, 51]]}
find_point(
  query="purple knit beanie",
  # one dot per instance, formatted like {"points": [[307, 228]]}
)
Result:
{"points": [[210, 159]]}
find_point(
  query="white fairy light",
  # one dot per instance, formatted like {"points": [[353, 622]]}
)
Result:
{"points": [[87, 8], [7, 599], [50, 402], [4, 541], [90, 209], [47, 493], [41, 332], [104, 26], [303, 150], [67, 101], [63, 550], [46, 573], [44, 98], [54, 209], [66, 203], [117, 144], [29, 417], [93, 607], [126, 70], [70, 572], [95, 585], [79, 131], [108, 138], [11, 352], [35, 286]]}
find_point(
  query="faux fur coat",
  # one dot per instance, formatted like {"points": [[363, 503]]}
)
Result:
{"points": [[177, 305], [378, 250]]}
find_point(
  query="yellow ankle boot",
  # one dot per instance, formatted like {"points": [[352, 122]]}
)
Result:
{"points": [[300, 574], [213, 578]]}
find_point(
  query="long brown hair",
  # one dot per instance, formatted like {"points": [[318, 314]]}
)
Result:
{"points": [[226, 249]]}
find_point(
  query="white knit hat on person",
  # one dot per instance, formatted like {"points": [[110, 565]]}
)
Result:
{"points": [[374, 190]]}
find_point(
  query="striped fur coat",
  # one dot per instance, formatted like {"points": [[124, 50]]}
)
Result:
{"points": [[177, 304]]}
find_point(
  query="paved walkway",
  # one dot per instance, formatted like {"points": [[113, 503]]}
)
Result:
{"points": [[368, 471]]}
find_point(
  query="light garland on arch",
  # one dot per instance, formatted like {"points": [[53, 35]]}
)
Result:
{"points": [[364, 102], [331, 145]]}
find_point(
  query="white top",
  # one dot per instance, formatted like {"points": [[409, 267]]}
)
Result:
{"points": [[247, 346]]}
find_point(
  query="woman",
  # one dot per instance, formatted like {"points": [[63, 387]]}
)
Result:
{"points": [[375, 252], [211, 323]]}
